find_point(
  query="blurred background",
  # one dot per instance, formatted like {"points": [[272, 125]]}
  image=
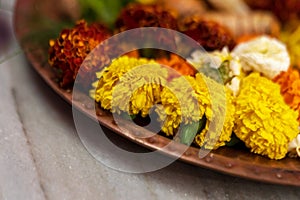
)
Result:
{"points": [[8, 44]]}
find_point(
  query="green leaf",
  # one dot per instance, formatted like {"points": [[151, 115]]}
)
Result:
{"points": [[220, 75], [105, 11], [224, 70], [44, 29], [126, 116], [189, 131], [234, 141]]}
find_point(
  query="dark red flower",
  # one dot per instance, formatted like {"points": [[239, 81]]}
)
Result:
{"points": [[139, 15], [155, 16], [69, 50], [285, 10], [209, 34]]}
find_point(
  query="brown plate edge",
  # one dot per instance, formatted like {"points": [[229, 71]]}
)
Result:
{"points": [[240, 164]]}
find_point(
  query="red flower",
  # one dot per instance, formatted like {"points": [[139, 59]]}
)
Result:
{"points": [[69, 50], [139, 15], [209, 34]]}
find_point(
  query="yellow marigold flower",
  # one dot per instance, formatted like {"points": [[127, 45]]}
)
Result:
{"points": [[262, 119], [213, 100], [129, 85], [291, 37]]}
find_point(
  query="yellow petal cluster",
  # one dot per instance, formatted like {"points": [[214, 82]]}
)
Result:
{"points": [[220, 122], [291, 37], [188, 100], [262, 119], [131, 85]]}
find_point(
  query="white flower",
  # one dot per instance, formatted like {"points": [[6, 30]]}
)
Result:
{"points": [[200, 58], [263, 54], [294, 146], [234, 85], [214, 60]]}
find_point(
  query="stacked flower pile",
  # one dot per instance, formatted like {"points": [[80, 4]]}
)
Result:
{"points": [[248, 88]]}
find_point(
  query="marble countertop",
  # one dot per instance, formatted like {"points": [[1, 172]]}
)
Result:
{"points": [[42, 157]]}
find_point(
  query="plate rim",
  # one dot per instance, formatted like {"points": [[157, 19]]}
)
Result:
{"points": [[234, 166]]}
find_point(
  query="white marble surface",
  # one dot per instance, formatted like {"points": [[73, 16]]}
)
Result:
{"points": [[41, 156]]}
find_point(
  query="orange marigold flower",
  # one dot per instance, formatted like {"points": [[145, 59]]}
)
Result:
{"points": [[179, 64], [68, 51], [290, 88]]}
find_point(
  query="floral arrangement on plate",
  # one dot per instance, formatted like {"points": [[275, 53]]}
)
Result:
{"points": [[254, 60]]}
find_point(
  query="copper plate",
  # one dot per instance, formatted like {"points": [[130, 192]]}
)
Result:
{"points": [[231, 161]]}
